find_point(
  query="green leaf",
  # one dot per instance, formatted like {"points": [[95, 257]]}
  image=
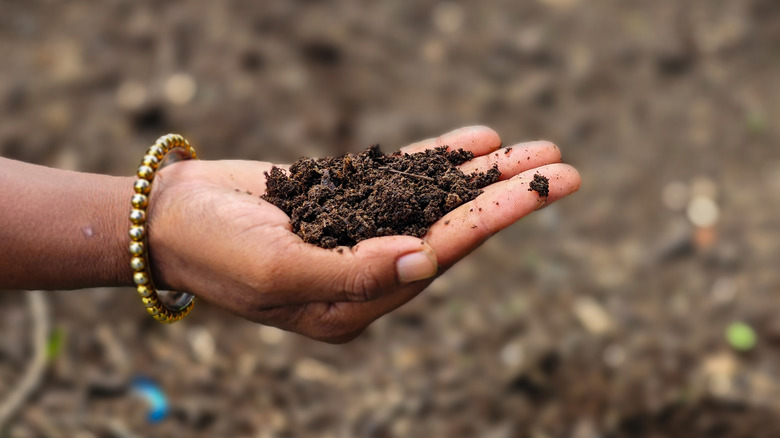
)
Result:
{"points": [[56, 343], [741, 336]]}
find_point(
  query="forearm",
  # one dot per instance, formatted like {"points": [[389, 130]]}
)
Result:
{"points": [[62, 229]]}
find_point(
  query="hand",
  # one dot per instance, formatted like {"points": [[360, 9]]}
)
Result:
{"points": [[210, 234]]}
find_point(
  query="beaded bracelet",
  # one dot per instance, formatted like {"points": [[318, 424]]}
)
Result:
{"points": [[164, 306]]}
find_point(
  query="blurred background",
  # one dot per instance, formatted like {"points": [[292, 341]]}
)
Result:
{"points": [[646, 305]]}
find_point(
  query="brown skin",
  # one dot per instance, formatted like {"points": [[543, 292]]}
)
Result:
{"points": [[68, 230], [62, 229]]}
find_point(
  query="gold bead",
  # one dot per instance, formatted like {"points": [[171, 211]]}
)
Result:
{"points": [[156, 151], [137, 217], [192, 153], [145, 291], [138, 264], [142, 186], [176, 140], [137, 233], [145, 172], [164, 143], [150, 301], [139, 201], [140, 278], [154, 311], [151, 161], [136, 248]]}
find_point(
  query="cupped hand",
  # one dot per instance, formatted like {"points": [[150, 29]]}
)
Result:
{"points": [[210, 234]]}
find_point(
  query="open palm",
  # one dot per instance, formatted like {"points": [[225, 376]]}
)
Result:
{"points": [[211, 235]]}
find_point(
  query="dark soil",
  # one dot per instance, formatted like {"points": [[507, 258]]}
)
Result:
{"points": [[541, 185], [341, 201], [602, 315], [708, 418]]}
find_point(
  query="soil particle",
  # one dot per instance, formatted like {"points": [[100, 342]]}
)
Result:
{"points": [[541, 185], [338, 201]]}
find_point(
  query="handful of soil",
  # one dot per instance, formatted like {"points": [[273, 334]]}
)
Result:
{"points": [[341, 201]]}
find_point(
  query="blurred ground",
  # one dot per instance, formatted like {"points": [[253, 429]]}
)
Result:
{"points": [[601, 316]]}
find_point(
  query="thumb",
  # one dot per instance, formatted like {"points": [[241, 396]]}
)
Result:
{"points": [[367, 271]]}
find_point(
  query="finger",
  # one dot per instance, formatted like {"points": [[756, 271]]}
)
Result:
{"points": [[478, 139], [363, 273], [503, 203], [515, 159]]}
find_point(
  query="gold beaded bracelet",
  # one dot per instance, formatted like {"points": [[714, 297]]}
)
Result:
{"points": [[164, 306]]}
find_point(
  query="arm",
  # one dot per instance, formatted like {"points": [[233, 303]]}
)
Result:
{"points": [[62, 229], [208, 236]]}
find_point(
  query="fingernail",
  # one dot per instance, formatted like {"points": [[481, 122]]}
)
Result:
{"points": [[416, 266]]}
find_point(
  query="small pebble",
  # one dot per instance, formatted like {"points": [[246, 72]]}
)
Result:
{"points": [[593, 316], [180, 89], [202, 343], [703, 212], [512, 355]]}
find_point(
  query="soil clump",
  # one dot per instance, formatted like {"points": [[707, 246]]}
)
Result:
{"points": [[337, 201], [541, 185]]}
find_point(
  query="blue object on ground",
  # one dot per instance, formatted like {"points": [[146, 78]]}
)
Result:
{"points": [[147, 389]]}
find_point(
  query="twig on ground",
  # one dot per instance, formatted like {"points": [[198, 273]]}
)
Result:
{"points": [[39, 314]]}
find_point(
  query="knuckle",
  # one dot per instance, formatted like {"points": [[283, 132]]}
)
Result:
{"points": [[363, 285]]}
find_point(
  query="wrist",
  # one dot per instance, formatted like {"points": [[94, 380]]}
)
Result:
{"points": [[120, 189], [163, 225]]}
